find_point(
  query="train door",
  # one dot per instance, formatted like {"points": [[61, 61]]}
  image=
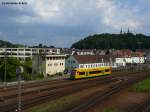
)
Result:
{"points": [[87, 73]]}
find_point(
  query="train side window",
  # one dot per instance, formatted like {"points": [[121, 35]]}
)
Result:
{"points": [[95, 72], [81, 73], [107, 70]]}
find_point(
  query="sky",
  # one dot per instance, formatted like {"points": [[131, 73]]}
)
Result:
{"points": [[63, 22]]}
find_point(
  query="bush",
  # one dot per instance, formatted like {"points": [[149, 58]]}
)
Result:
{"points": [[26, 76], [143, 86], [11, 65], [111, 109]]}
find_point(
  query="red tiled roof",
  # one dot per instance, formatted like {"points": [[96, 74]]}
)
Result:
{"points": [[91, 58]]}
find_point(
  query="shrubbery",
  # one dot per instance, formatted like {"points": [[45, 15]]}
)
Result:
{"points": [[12, 64]]}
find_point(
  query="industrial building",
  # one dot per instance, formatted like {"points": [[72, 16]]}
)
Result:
{"points": [[23, 53], [48, 64]]}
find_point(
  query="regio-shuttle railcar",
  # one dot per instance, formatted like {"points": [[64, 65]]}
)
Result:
{"points": [[79, 73]]}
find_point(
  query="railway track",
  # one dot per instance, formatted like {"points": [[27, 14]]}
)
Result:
{"points": [[145, 107], [42, 86], [37, 85], [98, 98], [31, 99], [30, 85], [51, 92], [45, 87]]}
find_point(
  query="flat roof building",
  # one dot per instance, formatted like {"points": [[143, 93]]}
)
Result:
{"points": [[48, 64], [23, 53]]}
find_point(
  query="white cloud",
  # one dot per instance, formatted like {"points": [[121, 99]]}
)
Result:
{"points": [[93, 15], [116, 16], [67, 12], [45, 8], [56, 12], [38, 11]]}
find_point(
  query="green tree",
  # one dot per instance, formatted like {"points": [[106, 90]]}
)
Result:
{"points": [[114, 41], [27, 65], [11, 65]]}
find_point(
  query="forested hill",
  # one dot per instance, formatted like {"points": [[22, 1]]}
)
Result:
{"points": [[8, 44], [116, 41]]}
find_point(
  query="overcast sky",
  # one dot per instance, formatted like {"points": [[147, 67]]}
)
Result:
{"points": [[62, 22]]}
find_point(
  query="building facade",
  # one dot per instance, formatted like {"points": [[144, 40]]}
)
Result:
{"points": [[23, 53], [48, 64], [88, 61]]}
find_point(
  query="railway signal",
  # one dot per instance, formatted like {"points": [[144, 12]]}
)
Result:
{"points": [[19, 70]]}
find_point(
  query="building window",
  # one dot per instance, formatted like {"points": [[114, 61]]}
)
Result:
{"points": [[49, 64], [55, 64], [28, 49], [93, 65], [27, 54], [43, 58], [96, 65], [21, 49], [81, 66], [61, 64]]}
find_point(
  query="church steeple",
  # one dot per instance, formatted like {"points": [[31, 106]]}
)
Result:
{"points": [[121, 31], [128, 30]]}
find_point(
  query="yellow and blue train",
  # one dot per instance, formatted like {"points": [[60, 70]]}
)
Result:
{"points": [[90, 72]]}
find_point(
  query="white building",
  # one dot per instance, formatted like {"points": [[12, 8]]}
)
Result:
{"points": [[83, 52], [148, 58], [123, 61], [23, 53], [88, 61], [120, 62], [138, 60], [48, 64]]}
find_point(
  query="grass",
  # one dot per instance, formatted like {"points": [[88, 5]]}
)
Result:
{"points": [[110, 109], [143, 86]]}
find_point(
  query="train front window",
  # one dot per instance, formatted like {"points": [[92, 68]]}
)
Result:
{"points": [[73, 72]]}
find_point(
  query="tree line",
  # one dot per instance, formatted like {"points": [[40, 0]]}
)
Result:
{"points": [[10, 69], [114, 41]]}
